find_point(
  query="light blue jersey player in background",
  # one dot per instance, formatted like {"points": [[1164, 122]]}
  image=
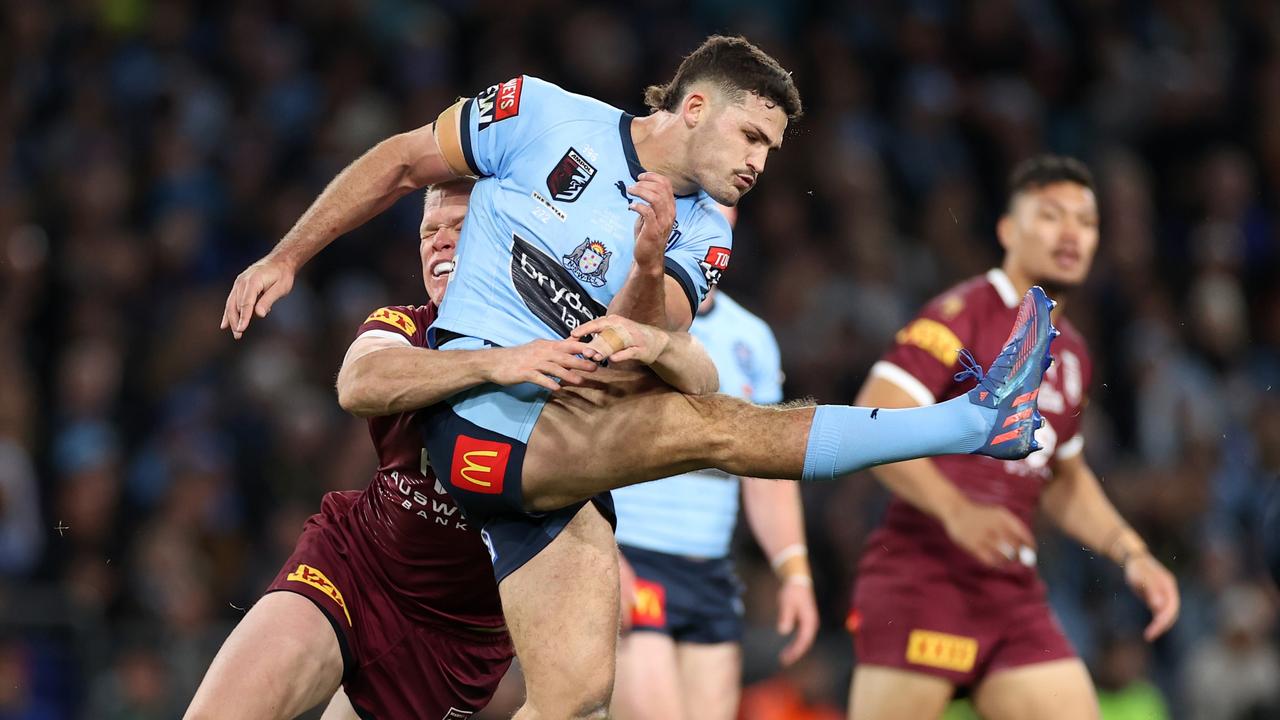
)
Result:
{"points": [[682, 658]]}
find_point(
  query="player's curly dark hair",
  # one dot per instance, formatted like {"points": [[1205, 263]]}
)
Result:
{"points": [[1041, 170], [735, 65]]}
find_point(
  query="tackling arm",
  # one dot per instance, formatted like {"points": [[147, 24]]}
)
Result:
{"points": [[381, 376], [388, 171]]}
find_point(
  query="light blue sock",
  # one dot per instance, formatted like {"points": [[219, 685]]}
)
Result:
{"points": [[845, 439]]}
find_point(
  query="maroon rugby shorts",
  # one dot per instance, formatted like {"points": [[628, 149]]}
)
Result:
{"points": [[393, 668]]}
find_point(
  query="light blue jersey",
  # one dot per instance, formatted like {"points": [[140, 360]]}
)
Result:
{"points": [[548, 239], [694, 514]]}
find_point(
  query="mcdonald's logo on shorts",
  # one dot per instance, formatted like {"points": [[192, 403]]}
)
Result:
{"points": [[940, 650], [479, 465], [651, 605], [308, 575]]}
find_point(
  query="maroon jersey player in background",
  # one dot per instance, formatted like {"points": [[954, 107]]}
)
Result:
{"points": [[388, 592], [947, 595]]}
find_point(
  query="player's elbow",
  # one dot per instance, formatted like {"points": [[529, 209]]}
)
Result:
{"points": [[355, 392], [395, 156], [418, 159]]}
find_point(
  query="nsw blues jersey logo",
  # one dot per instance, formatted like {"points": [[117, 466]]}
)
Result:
{"points": [[589, 262]]}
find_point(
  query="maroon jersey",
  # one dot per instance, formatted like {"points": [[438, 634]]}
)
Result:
{"points": [[977, 315], [416, 542]]}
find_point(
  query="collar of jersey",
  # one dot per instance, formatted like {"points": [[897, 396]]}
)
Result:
{"points": [[629, 149]]}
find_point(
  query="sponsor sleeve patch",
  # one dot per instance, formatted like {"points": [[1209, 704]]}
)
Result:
{"points": [[308, 575], [714, 264], [943, 651], [394, 318], [718, 257], [498, 102], [508, 104], [933, 337]]}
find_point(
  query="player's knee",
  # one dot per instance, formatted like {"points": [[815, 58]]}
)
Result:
{"points": [[585, 699], [594, 710]]}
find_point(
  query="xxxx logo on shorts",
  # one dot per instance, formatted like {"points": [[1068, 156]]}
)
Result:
{"points": [[479, 465], [310, 576], [940, 650], [651, 604]]}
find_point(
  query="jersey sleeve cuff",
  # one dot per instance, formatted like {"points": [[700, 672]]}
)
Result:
{"points": [[464, 136], [385, 335], [904, 381], [674, 270]]}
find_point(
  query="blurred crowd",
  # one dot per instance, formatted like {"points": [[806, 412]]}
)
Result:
{"points": [[154, 473]]}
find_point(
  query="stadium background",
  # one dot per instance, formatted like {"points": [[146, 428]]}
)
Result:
{"points": [[153, 474]]}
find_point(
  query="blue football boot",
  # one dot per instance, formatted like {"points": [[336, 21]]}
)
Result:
{"points": [[1012, 383]]}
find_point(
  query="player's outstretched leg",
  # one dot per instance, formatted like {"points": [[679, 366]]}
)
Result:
{"points": [[623, 427], [281, 660]]}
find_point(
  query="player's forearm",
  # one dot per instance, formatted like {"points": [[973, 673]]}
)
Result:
{"points": [[774, 514], [643, 297], [398, 380], [685, 365], [1075, 502], [921, 484], [363, 189]]}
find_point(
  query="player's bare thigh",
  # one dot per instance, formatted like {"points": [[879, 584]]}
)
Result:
{"points": [[1059, 689], [648, 684], [628, 426], [710, 679], [281, 660], [562, 612], [882, 693]]}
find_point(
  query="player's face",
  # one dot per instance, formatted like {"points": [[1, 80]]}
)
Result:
{"points": [[1051, 233], [731, 142], [442, 217]]}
